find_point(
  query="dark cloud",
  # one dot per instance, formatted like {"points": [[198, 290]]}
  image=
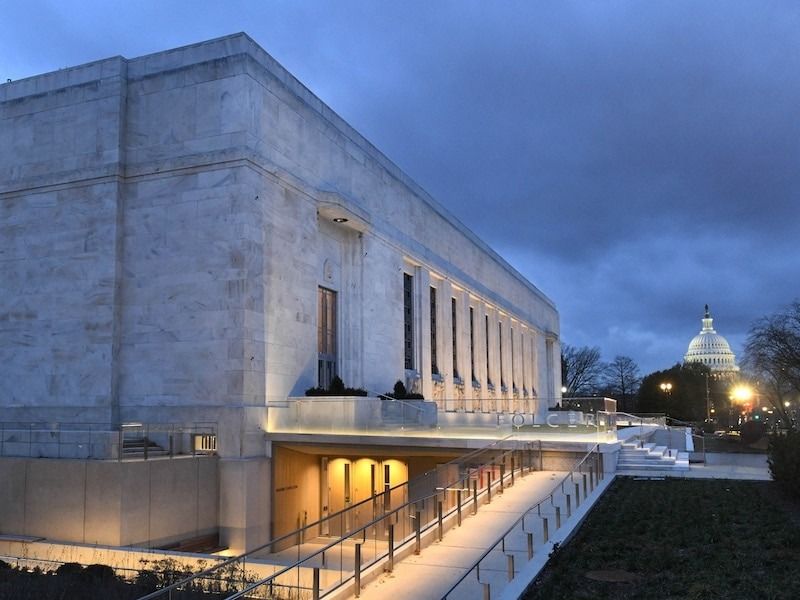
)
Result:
{"points": [[635, 160]]}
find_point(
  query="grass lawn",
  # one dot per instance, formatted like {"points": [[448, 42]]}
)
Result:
{"points": [[680, 538]]}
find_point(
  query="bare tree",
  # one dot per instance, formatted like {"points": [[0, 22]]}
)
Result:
{"points": [[622, 380], [581, 369], [772, 355]]}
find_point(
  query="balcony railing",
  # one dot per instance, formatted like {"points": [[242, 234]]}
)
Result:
{"points": [[103, 441], [479, 418]]}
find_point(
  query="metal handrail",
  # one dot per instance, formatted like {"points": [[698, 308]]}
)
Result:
{"points": [[93, 435], [210, 570], [522, 519], [363, 530], [272, 542]]}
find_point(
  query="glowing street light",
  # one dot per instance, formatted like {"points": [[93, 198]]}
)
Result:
{"points": [[666, 387], [742, 393]]}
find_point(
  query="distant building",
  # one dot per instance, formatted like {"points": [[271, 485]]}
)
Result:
{"points": [[711, 349]]}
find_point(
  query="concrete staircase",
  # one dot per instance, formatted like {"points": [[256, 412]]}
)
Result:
{"points": [[649, 457]]}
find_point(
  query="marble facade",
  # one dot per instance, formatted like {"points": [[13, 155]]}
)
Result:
{"points": [[165, 224]]}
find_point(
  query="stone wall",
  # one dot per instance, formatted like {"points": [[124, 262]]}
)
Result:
{"points": [[148, 503]]}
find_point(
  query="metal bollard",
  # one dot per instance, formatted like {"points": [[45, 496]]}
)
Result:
{"points": [[489, 489], [585, 493], [502, 476], [530, 545], [546, 530], [558, 517], [512, 468], [569, 506], [458, 506], [475, 497], [510, 566], [577, 496], [487, 591]]}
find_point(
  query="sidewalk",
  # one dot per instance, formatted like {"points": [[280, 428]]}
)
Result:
{"points": [[718, 466], [438, 567]]}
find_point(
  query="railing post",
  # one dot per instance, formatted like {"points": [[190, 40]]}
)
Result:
{"points": [[417, 545], [502, 475], [489, 489], [487, 591], [512, 468], [315, 591], [439, 518], [569, 506], [358, 570], [474, 496], [577, 496], [530, 545], [390, 564], [458, 505], [585, 493], [546, 530], [510, 566], [120, 439], [558, 517], [541, 458]]}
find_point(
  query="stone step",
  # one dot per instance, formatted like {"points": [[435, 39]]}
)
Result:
{"points": [[657, 452], [653, 467]]}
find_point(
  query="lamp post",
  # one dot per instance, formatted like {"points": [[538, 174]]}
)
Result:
{"points": [[741, 395]]}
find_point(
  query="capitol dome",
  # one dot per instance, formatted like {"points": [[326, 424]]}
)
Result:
{"points": [[711, 349]]}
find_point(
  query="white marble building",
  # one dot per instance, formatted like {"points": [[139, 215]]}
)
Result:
{"points": [[712, 350], [171, 227]]}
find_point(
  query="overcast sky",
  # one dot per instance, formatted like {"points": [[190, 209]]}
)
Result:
{"points": [[634, 160]]}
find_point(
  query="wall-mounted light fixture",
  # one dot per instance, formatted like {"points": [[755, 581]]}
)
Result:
{"points": [[340, 220]]}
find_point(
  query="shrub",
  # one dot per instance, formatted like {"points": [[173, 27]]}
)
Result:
{"points": [[336, 388], [752, 431], [98, 574], [784, 461], [400, 393], [69, 568]]}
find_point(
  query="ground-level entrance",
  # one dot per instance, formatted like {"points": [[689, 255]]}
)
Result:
{"points": [[312, 482]]}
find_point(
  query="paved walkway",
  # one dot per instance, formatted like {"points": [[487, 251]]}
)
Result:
{"points": [[438, 567], [700, 471]]}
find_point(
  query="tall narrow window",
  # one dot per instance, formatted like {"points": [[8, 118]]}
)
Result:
{"points": [[488, 378], [434, 361], [472, 342], [408, 320], [454, 324], [511, 339], [326, 336], [500, 342]]}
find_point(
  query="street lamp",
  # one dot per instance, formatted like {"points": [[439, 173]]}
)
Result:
{"points": [[741, 394], [666, 388]]}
